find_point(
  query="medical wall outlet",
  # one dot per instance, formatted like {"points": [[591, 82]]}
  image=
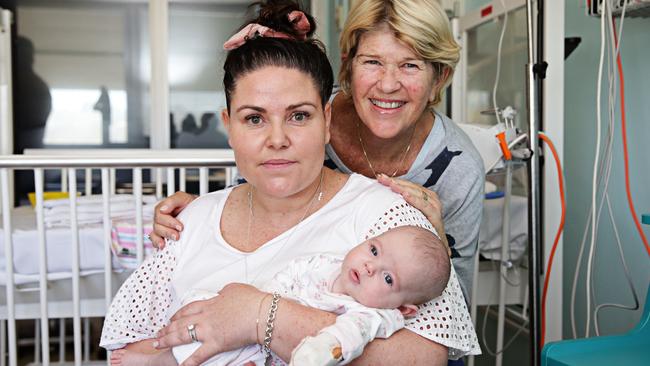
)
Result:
{"points": [[635, 8]]}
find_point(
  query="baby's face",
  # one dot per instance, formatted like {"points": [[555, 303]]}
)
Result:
{"points": [[381, 271]]}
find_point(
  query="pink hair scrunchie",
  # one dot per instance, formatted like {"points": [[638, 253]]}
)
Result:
{"points": [[300, 23], [296, 17]]}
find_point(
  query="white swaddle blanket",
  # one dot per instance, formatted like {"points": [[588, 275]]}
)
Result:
{"points": [[90, 209]]}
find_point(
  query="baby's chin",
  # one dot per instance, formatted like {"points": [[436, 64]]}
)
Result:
{"points": [[375, 303]]}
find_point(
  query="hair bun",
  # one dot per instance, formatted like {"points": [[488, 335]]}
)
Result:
{"points": [[277, 15]]}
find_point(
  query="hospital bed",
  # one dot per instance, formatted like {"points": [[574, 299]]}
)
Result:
{"points": [[500, 271], [59, 272]]}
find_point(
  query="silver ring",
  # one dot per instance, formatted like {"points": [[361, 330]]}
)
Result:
{"points": [[191, 330]]}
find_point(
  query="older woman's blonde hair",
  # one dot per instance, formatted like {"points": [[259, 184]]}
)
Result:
{"points": [[420, 24]]}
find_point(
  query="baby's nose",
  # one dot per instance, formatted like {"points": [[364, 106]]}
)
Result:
{"points": [[369, 269]]}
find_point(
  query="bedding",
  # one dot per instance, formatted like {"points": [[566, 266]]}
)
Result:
{"points": [[59, 243], [489, 237]]}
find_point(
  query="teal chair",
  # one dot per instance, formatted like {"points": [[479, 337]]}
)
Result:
{"points": [[630, 349]]}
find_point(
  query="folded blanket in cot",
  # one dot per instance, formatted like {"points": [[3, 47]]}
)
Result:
{"points": [[97, 199], [90, 209]]}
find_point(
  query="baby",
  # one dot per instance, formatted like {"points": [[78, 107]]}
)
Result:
{"points": [[372, 289]]}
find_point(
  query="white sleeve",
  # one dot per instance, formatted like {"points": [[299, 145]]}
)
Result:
{"points": [[139, 309], [445, 319], [361, 325]]}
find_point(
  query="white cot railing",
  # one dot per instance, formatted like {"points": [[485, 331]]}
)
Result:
{"points": [[70, 161]]}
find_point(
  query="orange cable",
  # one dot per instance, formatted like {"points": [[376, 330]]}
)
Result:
{"points": [[549, 266], [625, 154]]}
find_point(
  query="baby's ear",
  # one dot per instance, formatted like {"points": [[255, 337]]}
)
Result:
{"points": [[408, 310]]}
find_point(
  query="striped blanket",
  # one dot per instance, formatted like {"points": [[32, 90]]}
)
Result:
{"points": [[124, 236]]}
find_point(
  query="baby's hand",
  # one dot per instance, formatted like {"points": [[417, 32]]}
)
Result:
{"points": [[321, 350]]}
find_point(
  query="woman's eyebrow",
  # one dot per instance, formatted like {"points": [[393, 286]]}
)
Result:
{"points": [[290, 107], [301, 104], [405, 59], [253, 107], [367, 55]]}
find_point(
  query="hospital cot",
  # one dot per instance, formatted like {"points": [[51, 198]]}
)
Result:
{"points": [[46, 277]]}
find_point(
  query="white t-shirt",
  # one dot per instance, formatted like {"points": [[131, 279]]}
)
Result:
{"points": [[203, 260]]}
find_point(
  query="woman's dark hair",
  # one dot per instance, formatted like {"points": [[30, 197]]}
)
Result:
{"points": [[307, 56]]}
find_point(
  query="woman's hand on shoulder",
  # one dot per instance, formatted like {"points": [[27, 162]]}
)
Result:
{"points": [[222, 323], [425, 200], [165, 224]]}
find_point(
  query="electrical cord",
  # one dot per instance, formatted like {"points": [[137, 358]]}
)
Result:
{"points": [[498, 71], [604, 179], [594, 187], [607, 154], [606, 165], [611, 45], [627, 276], [483, 327], [616, 59], [624, 135], [558, 235]]}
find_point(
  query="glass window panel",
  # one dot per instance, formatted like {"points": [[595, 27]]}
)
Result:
{"points": [[196, 36], [93, 59], [472, 5], [482, 43]]}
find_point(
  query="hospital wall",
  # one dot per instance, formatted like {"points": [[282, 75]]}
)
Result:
{"points": [[581, 70]]}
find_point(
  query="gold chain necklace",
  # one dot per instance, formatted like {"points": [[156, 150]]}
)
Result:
{"points": [[401, 162], [317, 196]]}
